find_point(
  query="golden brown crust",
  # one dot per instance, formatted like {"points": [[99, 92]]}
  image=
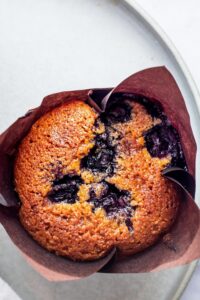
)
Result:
{"points": [[56, 143]]}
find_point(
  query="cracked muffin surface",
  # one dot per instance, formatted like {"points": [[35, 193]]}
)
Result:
{"points": [[88, 182]]}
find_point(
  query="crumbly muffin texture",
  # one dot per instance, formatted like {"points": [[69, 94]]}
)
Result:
{"points": [[88, 182]]}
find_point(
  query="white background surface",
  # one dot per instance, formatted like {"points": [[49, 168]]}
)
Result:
{"points": [[180, 19]]}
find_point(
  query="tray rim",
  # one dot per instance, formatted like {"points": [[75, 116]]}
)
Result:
{"points": [[166, 41]]}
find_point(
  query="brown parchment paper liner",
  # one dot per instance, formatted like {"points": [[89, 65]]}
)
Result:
{"points": [[180, 246]]}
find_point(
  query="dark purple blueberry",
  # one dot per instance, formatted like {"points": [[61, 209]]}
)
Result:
{"points": [[104, 189], [162, 140], [117, 112], [101, 140], [115, 202], [129, 224], [153, 108], [99, 160], [65, 189], [101, 156]]}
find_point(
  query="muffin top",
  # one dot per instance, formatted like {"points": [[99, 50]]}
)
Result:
{"points": [[88, 182]]}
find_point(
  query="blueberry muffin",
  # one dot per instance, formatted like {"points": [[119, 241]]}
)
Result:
{"points": [[88, 182]]}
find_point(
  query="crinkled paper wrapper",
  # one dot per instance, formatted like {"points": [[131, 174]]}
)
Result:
{"points": [[181, 245]]}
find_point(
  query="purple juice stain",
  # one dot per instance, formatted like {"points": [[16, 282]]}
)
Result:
{"points": [[115, 202]]}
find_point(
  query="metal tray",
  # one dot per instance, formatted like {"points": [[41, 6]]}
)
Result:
{"points": [[54, 45]]}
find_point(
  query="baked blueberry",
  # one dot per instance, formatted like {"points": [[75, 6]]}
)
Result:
{"points": [[101, 157], [162, 140], [119, 111], [65, 189]]}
